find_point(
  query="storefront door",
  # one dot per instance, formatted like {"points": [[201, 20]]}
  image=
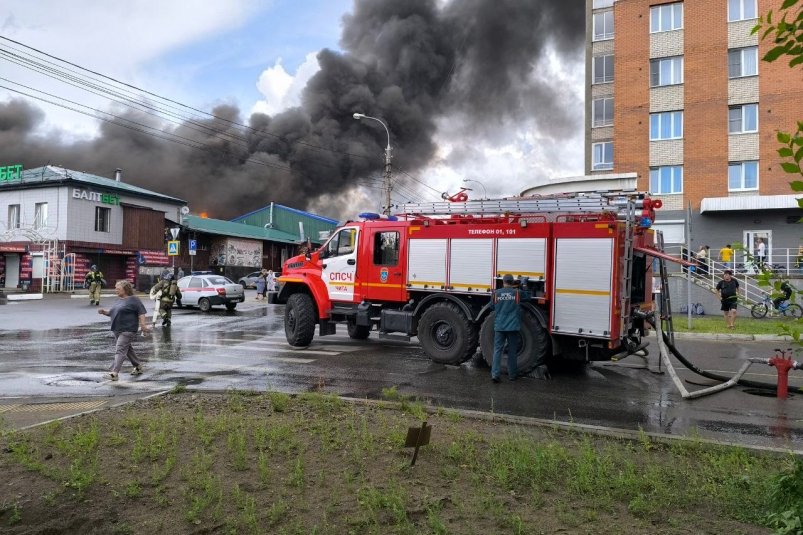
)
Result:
{"points": [[752, 239], [12, 270]]}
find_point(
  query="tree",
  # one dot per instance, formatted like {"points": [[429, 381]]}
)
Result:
{"points": [[787, 36]]}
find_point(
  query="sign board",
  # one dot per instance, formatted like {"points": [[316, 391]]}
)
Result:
{"points": [[174, 232], [9, 173], [193, 245], [105, 198], [192, 252], [172, 248]]}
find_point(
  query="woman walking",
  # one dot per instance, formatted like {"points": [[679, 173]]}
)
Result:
{"points": [[126, 313], [262, 284]]}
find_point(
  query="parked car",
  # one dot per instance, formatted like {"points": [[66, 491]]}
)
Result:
{"points": [[206, 291], [250, 280]]}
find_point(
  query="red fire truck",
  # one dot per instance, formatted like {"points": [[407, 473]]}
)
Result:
{"points": [[430, 272]]}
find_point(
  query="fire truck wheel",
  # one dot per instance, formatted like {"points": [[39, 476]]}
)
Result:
{"points": [[299, 320], [446, 334], [534, 343], [358, 332]]}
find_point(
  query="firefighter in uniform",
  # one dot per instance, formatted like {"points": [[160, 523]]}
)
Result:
{"points": [[507, 323], [94, 281], [169, 293]]}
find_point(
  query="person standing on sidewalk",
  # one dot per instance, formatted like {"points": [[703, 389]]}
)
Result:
{"points": [[728, 289], [507, 324], [94, 281], [126, 313]]}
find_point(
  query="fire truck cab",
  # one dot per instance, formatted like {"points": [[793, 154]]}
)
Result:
{"points": [[431, 271]]}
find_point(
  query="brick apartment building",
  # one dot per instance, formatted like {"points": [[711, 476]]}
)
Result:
{"points": [[676, 92]]}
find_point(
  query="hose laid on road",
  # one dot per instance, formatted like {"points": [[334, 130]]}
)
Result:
{"points": [[715, 376]]}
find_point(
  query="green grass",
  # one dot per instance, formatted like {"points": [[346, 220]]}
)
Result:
{"points": [[716, 324]]}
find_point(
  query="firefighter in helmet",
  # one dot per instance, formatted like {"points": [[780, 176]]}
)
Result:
{"points": [[94, 281], [169, 294]]}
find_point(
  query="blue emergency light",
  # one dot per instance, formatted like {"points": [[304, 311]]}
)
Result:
{"points": [[371, 216]]}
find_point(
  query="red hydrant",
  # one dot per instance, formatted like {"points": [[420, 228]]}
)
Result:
{"points": [[783, 363]]}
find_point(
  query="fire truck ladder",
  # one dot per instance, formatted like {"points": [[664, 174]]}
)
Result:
{"points": [[627, 268], [618, 202]]}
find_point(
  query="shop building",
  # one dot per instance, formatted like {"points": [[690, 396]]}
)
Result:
{"points": [[56, 222]]}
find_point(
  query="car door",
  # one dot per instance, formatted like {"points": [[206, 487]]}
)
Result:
{"points": [[339, 266], [384, 279], [192, 290]]}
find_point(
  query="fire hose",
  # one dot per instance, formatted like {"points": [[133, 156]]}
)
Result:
{"points": [[664, 343]]}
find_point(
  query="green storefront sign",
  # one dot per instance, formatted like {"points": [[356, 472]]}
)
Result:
{"points": [[105, 198], [10, 173]]}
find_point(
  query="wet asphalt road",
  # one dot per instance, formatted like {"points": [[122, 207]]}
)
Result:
{"points": [[60, 348]]}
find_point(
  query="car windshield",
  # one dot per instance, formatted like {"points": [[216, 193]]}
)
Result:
{"points": [[218, 280]]}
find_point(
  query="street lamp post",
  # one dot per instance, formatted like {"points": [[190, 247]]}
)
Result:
{"points": [[484, 191], [388, 183]]}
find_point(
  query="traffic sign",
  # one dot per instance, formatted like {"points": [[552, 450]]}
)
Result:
{"points": [[193, 245], [191, 252], [172, 248]]}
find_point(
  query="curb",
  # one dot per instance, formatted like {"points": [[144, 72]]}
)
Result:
{"points": [[613, 432], [735, 337]]}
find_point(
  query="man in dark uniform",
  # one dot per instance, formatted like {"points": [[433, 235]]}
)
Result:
{"points": [[170, 293], [94, 281], [507, 323]]}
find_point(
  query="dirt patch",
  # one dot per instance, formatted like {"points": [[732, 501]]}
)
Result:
{"points": [[271, 463]]}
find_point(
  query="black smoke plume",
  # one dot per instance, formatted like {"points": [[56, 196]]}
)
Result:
{"points": [[409, 62]]}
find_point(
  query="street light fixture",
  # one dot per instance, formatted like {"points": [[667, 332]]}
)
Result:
{"points": [[388, 183], [484, 191]]}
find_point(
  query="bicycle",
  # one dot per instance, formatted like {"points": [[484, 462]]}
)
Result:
{"points": [[760, 310]]}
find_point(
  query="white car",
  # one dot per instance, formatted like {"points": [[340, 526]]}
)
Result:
{"points": [[206, 291]]}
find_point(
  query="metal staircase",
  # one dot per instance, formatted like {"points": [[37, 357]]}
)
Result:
{"points": [[750, 292]]}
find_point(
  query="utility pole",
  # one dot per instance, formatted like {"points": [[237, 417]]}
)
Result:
{"points": [[388, 185], [388, 182]]}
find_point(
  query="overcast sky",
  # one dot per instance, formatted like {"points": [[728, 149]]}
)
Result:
{"points": [[258, 56]]}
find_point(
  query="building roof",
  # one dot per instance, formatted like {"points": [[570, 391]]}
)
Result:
{"points": [[585, 184], [749, 202], [237, 230], [285, 219], [52, 176]]}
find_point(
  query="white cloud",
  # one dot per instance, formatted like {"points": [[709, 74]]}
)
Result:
{"points": [[113, 38], [281, 89]]}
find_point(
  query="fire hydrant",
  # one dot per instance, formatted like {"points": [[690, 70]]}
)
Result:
{"points": [[783, 363]]}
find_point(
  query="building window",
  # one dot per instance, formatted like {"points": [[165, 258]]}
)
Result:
{"points": [[666, 125], [666, 180], [603, 156], [601, 4], [602, 109], [666, 17], [603, 25], [666, 71], [742, 119], [743, 62], [742, 176], [40, 215], [603, 69], [741, 10], [102, 217], [13, 216]]}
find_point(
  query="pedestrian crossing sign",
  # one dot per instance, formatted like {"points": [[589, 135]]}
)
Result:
{"points": [[172, 248]]}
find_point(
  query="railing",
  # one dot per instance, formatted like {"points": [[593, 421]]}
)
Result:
{"points": [[707, 275]]}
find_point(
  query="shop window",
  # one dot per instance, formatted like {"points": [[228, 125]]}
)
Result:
{"points": [[102, 216], [386, 248], [13, 216]]}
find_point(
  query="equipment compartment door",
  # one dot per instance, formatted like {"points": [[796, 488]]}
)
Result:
{"points": [[471, 265], [581, 301], [521, 257], [340, 266], [426, 267]]}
